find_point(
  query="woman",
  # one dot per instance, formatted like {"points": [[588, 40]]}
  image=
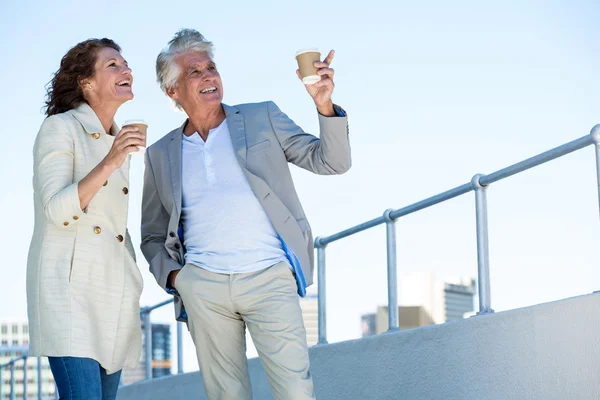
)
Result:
{"points": [[83, 285]]}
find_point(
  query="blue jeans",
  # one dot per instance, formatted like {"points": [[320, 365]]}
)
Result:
{"points": [[83, 379]]}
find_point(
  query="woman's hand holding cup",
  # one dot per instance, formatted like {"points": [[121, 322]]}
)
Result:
{"points": [[126, 142]]}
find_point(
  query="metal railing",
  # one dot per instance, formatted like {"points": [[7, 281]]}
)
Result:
{"points": [[479, 183], [23, 350]]}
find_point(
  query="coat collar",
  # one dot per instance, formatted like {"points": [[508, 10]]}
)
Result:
{"points": [[89, 120]]}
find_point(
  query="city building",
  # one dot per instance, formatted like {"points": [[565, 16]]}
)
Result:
{"points": [[443, 299], [368, 324], [14, 341], [161, 350], [425, 300], [409, 317], [161, 356]]}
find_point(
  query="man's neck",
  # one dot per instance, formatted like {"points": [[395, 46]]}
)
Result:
{"points": [[203, 121]]}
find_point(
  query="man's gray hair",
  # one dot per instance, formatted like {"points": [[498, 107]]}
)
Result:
{"points": [[167, 70]]}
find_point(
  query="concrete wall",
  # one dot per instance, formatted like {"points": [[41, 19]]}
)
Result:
{"points": [[550, 352]]}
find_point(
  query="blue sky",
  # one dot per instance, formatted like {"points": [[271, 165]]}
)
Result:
{"points": [[435, 93]]}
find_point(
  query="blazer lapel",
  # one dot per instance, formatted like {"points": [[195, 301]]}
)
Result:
{"points": [[235, 122], [175, 165]]}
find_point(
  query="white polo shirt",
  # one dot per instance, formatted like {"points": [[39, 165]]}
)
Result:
{"points": [[225, 228]]}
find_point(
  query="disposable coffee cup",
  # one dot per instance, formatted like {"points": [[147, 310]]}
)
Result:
{"points": [[306, 59], [142, 128]]}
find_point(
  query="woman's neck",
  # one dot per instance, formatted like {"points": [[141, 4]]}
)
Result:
{"points": [[106, 115]]}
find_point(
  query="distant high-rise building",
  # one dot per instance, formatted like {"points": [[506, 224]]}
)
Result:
{"points": [[14, 341], [161, 356], [409, 317], [310, 313], [443, 299], [368, 325], [458, 298], [425, 300], [161, 350]]}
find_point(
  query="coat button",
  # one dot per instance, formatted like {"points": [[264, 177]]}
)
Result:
{"points": [[172, 234], [96, 135], [75, 217], [125, 190], [105, 183], [97, 230], [120, 238], [177, 246], [65, 223]]}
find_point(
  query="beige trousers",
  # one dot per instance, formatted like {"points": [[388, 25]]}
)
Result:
{"points": [[220, 306]]}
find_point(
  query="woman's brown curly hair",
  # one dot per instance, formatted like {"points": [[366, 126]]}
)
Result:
{"points": [[64, 92]]}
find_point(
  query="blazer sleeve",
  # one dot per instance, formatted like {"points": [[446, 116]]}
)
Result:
{"points": [[155, 223], [53, 171], [327, 155]]}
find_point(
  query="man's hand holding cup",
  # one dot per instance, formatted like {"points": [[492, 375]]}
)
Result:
{"points": [[317, 78]]}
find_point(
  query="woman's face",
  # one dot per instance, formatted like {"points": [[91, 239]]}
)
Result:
{"points": [[112, 80]]}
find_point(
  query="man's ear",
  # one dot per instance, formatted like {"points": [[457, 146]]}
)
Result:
{"points": [[172, 93]]}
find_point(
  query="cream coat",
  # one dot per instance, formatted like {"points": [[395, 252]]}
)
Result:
{"points": [[83, 284]]}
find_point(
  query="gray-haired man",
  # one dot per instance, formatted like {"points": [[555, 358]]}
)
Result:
{"points": [[222, 226]]}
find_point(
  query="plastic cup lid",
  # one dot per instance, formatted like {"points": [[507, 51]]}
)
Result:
{"points": [[302, 51]]}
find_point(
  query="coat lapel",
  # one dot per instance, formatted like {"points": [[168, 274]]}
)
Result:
{"points": [[89, 120], [235, 123], [175, 165], [102, 141]]}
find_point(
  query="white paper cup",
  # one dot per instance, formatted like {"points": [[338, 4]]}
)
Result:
{"points": [[305, 59], [143, 127]]}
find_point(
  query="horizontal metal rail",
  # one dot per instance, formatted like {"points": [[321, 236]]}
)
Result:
{"points": [[478, 184]]}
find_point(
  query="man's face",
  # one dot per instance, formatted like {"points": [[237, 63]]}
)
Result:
{"points": [[199, 83]]}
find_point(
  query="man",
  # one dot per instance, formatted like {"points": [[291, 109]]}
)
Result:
{"points": [[219, 200]]}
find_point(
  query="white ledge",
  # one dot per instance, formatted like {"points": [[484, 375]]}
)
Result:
{"points": [[549, 351]]}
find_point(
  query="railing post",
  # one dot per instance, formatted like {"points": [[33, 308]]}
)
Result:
{"points": [[179, 347], [12, 380], [322, 291], [595, 133], [392, 271], [1, 381], [483, 258], [39, 377], [25, 378], [147, 343]]}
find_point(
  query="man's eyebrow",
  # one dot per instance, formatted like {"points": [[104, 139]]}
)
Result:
{"points": [[193, 67]]}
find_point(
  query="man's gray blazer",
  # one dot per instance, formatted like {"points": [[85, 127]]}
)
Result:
{"points": [[264, 140]]}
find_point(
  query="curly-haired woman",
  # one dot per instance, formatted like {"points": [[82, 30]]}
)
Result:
{"points": [[83, 284]]}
